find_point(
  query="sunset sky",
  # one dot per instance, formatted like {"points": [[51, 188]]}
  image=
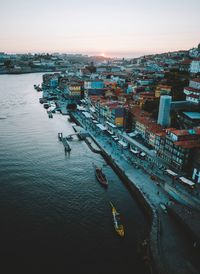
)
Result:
{"points": [[111, 27]]}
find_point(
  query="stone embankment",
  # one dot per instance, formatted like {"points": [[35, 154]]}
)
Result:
{"points": [[147, 207]]}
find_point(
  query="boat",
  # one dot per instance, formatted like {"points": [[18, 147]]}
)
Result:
{"points": [[117, 221], [69, 138], [37, 87], [101, 177], [50, 114], [46, 105]]}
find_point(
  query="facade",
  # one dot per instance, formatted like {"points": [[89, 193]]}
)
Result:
{"points": [[193, 91], [51, 80], [76, 90], [185, 65], [189, 119], [146, 96], [140, 127], [195, 66], [94, 84], [177, 147], [162, 90], [195, 168]]}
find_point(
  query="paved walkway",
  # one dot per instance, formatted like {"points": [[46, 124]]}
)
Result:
{"points": [[173, 247]]}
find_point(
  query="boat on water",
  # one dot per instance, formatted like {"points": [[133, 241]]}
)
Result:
{"points": [[101, 177], [50, 114], [37, 87], [119, 228], [69, 138]]}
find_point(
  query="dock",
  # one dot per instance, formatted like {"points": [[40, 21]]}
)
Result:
{"points": [[65, 142], [81, 132]]}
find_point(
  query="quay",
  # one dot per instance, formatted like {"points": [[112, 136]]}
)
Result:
{"points": [[190, 219], [152, 189], [164, 241]]}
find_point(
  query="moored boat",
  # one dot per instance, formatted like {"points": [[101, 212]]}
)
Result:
{"points": [[101, 177], [117, 221]]}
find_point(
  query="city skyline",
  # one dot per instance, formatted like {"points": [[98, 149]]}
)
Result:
{"points": [[107, 28]]}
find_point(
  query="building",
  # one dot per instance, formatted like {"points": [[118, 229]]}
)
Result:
{"points": [[195, 168], [146, 96], [51, 80], [164, 110], [195, 66], [193, 91], [162, 90], [189, 119], [185, 65], [76, 89], [94, 84], [176, 147]]}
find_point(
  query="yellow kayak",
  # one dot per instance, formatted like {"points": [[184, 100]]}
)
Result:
{"points": [[117, 221]]}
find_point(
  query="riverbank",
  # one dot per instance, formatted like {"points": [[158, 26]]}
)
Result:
{"points": [[56, 217], [15, 72], [163, 236]]}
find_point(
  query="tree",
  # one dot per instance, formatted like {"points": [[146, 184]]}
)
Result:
{"points": [[177, 80], [151, 106], [8, 63]]}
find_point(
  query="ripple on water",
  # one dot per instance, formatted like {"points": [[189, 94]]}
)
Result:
{"points": [[51, 204]]}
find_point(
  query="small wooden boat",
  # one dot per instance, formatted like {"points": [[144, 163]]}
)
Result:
{"points": [[117, 221], [101, 177]]}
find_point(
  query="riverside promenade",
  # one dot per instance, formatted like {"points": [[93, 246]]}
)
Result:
{"points": [[172, 252]]}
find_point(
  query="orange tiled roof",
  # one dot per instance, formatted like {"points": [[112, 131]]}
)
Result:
{"points": [[188, 144], [183, 132]]}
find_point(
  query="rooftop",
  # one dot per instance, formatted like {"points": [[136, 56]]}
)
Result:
{"points": [[196, 80], [192, 89], [188, 144], [193, 115]]}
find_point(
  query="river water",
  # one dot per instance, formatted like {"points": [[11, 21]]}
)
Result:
{"points": [[55, 217]]}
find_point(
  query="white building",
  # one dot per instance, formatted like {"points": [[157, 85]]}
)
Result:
{"points": [[195, 66], [193, 91]]}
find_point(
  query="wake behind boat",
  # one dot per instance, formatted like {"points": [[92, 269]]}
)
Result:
{"points": [[101, 177], [117, 221]]}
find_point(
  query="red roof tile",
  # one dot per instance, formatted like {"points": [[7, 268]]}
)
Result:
{"points": [[192, 89], [188, 144]]}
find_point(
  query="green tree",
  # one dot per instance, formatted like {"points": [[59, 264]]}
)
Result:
{"points": [[8, 63]]}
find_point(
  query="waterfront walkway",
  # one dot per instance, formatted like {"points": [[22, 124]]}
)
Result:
{"points": [[174, 250]]}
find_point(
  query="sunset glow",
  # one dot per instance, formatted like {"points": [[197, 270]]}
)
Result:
{"points": [[122, 28]]}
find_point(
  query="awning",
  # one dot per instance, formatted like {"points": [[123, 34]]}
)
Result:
{"points": [[87, 114], [110, 124], [92, 109], [171, 172], [132, 134], [110, 132], [123, 144], [186, 181], [80, 108], [134, 151], [101, 126], [115, 137]]}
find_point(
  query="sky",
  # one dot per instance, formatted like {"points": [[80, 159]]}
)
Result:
{"points": [[121, 28]]}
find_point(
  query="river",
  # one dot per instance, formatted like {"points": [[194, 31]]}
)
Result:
{"points": [[55, 217]]}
